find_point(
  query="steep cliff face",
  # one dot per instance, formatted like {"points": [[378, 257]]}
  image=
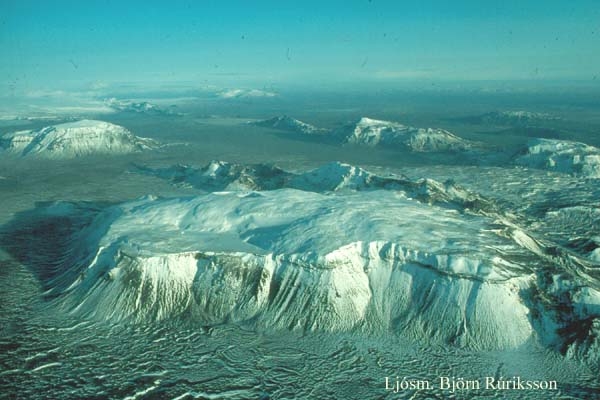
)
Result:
{"points": [[373, 261]]}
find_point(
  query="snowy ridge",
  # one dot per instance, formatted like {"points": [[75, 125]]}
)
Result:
{"points": [[562, 156], [335, 176], [75, 139], [290, 124]]}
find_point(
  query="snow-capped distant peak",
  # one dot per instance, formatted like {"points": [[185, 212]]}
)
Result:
{"points": [[366, 122], [562, 156], [524, 115], [74, 139], [513, 118], [290, 124], [141, 107], [374, 132]]}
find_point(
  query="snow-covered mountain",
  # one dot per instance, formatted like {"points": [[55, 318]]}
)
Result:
{"points": [[562, 156], [142, 107], [372, 132], [221, 175], [373, 261], [291, 259], [290, 124], [74, 139], [333, 249], [335, 176]]}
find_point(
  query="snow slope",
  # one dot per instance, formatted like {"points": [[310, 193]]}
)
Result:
{"points": [[74, 139], [562, 156]]}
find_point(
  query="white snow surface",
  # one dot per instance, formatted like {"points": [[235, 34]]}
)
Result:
{"points": [[75, 139], [292, 259], [373, 132], [562, 156]]}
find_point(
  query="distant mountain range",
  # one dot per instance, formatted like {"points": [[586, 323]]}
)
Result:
{"points": [[372, 132], [142, 107], [512, 118], [561, 156]]}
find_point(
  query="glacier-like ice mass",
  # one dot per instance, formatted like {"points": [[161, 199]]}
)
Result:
{"points": [[74, 139]]}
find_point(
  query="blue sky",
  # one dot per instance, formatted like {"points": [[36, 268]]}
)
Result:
{"points": [[60, 43]]}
